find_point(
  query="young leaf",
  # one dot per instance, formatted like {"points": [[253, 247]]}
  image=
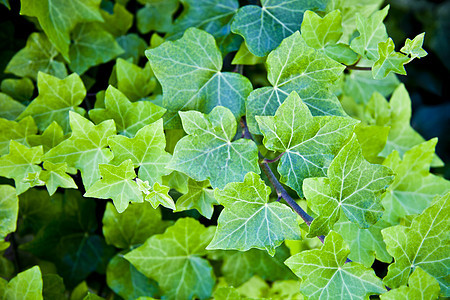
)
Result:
{"points": [[146, 151], [174, 259], [55, 175], [208, 153], [52, 136], [352, 185], [414, 48], [250, 221], [159, 194], [16, 131], [85, 149], [58, 17], [11, 108], [119, 22], [21, 161], [156, 15], [26, 285], [56, 98], [117, 183], [319, 32], [133, 81], [294, 66], [309, 143], [9, 209], [199, 197], [389, 60], [424, 244], [263, 28], [129, 117], [325, 275], [189, 72]]}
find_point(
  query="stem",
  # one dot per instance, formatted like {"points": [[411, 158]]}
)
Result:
{"points": [[239, 69], [275, 159], [352, 67], [245, 133]]}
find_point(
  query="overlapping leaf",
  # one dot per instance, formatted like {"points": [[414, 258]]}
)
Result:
{"points": [[389, 60], [55, 175], [158, 195], [133, 81], [26, 285], [17, 131], [156, 15], [199, 196], [309, 143], [9, 209], [19, 89], [10, 108], [119, 21], [52, 136]]}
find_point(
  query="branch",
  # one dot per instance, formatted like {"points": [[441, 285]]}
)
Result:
{"points": [[359, 68], [275, 159]]}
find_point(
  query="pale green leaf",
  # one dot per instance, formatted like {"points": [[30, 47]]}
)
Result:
{"points": [[156, 15], [413, 48], [342, 53], [56, 98], [285, 290], [159, 194], [9, 108], [208, 153], [424, 244], [55, 175], [199, 196], [27, 285], [133, 81], [372, 140], [249, 220], [117, 184], [85, 149], [255, 288], [39, 55], [320, 32], [294, 66], [226, 293], [245, 57], [352, 186], [263, 28], [177, 180], [129, 117], [20, 161], [309, 143], [19, 89], [118, 22], [389, 60], [189, 71], [9, 209], [17, 131], [174, 259], [52, 136], [326, 275]]}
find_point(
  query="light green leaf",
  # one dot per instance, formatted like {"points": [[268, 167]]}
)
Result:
{"points": [[389, 60], [372, 140], [132, 227], [294, 66], [413, 48], [208, 153], [245, 57], [19, 89], [309, 143], [27, 285], [325, 275], [146, 151], [17, 131], [174, 259], [85, 149], [133, 81], [9, 108], [414, 186], [20, 161], [320, 32], [129, 117], [33, 179], [177, 180], [56, 98], [156, 15], [352, 186], [199, 197], [39, 55], [9, 209], [117, 184], [92, 46], [421, 286], [119, 21], [55, 175], [285, 290], [58, 17], [189, 72], [249, 220], [52, 136], [342, 53], [255, 288], [226, 293], [159, 194], [424, 244], [371, 32], [133, 45], [263, 28]]}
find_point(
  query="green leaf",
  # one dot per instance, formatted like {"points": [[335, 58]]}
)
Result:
{"points": [[6, 3], [208, 153], [85, 149], [285, 289], [309, 143], [372, 140], [254, 288], [133, 45], [389, 60], [414, 187], [132, 227], [199, 197], [117, 184], [123, 278], [156, 15], [55, 175], [146, 151], [17, 131], [245, 57], [27, 285], [159, 194], [294, 66], [352, 186], [371, 32], [10, 108], [20, 161], [225, 293], [20, 89], [325, 274], [92, 46], [263, 28], [320, 32], [249, 220], [421, 286], [53, 287], [189, 72], [129, 117], [9, 209], [413, 48], [424, 244], [174, 259], [56, 98], [52, 136], [133, 81], [119, 22], [39, 55], [58, 17]]}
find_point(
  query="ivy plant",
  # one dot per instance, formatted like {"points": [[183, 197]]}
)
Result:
{"points": [[215, 149]]}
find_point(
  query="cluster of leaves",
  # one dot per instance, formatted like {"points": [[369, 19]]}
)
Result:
{"points": [[222, 183]]}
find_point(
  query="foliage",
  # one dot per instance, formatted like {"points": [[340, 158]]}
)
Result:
{"points": [[208, 149]]}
